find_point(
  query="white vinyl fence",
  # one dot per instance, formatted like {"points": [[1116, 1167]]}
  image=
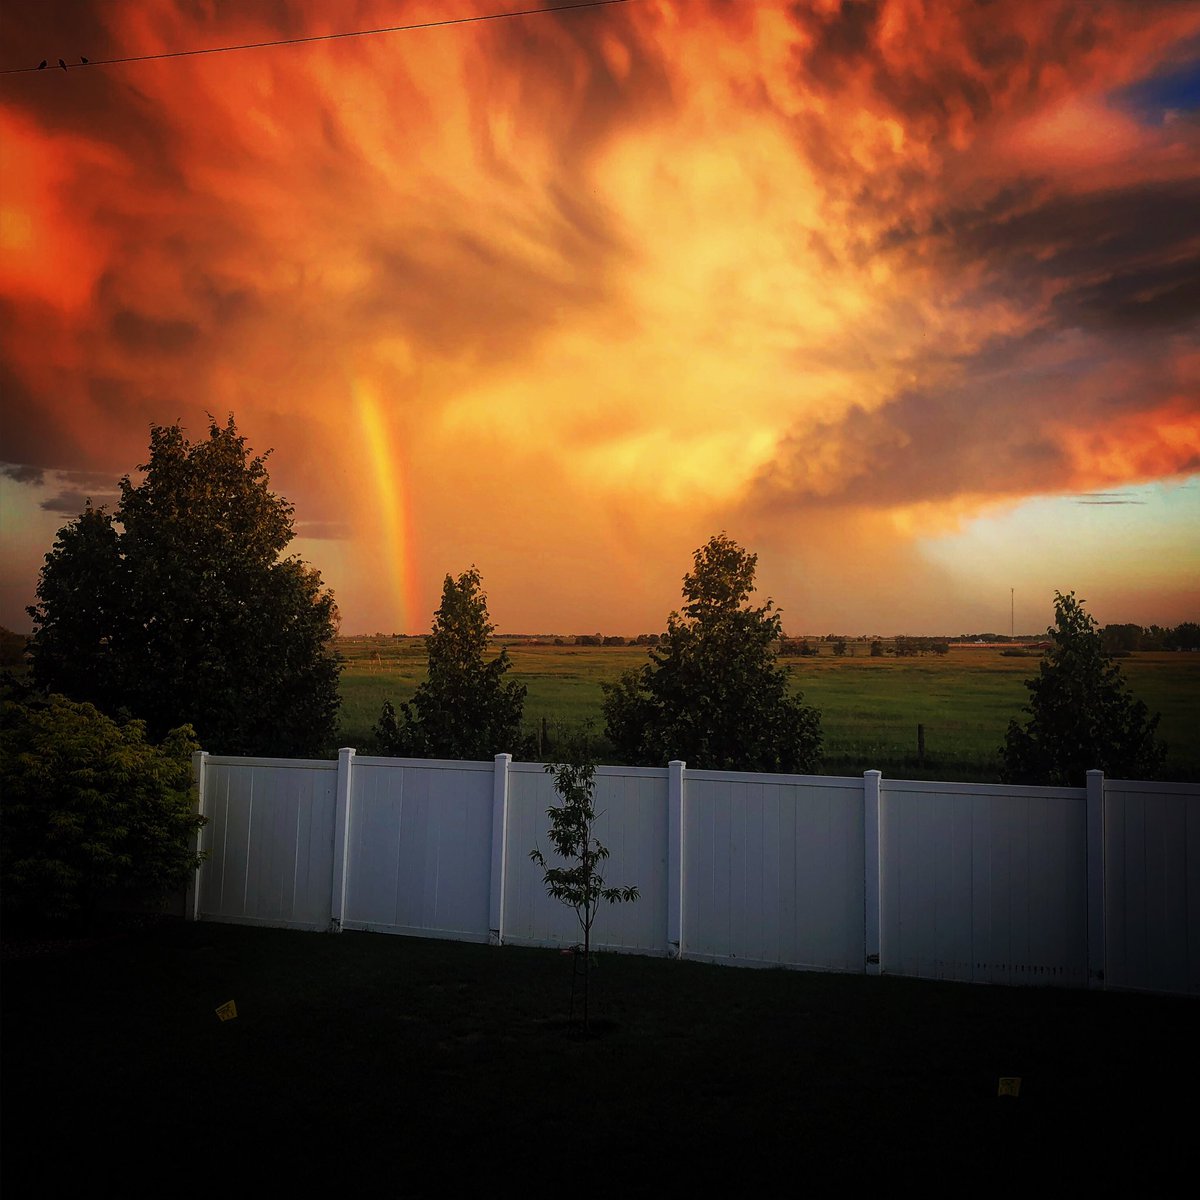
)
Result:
{"points": [[1079, 887]]}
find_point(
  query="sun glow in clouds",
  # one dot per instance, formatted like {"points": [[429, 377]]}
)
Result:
{"points": [[852, 282]]}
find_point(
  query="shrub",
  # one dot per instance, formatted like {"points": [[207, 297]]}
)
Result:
{"points": [[94, 814]]}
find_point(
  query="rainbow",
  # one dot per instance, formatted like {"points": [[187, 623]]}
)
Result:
{"points": [[392, 496]]}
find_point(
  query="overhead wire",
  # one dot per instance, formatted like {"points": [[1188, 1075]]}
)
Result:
{"points": [[317, 37]]}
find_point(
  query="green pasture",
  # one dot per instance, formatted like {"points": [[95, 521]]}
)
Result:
{"points": [[870, 707]]}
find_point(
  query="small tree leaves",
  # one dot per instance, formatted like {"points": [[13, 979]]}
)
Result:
{"points": [[578, 884]]}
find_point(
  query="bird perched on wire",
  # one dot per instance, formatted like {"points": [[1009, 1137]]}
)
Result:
{"points": [[42, 65], [83, 61], [62, 64]]}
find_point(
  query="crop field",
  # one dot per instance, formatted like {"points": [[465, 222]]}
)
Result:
{"points": [[870, 707]]}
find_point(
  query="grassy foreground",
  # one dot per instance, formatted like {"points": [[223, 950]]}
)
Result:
{"points": [[418, 1065], [870, 707]]}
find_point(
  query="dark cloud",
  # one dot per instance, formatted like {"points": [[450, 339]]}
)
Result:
{"points": [[99, 480], [72, 503], [951, 66], [142, 334], [842, 36], [998, 430], [23, 473], [1162, 295], [499, 300], [32, 435], [1125, 257], [1072, 234], [923, 446]]}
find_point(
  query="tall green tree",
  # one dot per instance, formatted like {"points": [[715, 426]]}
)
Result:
{"points": [[464, 708], [181, 607], [1082, 715], [712, 692]]}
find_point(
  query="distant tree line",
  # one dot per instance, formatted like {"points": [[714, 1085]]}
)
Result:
{"points": [[596, 639], [901, 646], [1122, 639]]}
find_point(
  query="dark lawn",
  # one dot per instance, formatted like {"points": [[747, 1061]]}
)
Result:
{"points": [[416, 1066]]}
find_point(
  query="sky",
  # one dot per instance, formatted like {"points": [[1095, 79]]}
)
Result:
{"points": [[902, 296]]}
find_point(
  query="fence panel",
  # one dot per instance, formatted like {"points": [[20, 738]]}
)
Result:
{"points": [[420, 848], [270, 842], [1152, 886], [632, 824], [977, 882], [773, 870], [983, 883]]}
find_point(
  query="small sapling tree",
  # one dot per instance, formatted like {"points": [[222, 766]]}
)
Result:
{"points": [[578, 883]]}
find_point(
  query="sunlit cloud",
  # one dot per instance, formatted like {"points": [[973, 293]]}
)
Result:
{"points": [[562, 295]]}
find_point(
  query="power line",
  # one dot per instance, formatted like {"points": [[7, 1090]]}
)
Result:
{"points": [[320, 37]]}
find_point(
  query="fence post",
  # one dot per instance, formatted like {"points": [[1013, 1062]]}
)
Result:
{"points": [[872, 851], [1095, 880], [675, 835], [499, 849], [341, 839], [191, 908]]}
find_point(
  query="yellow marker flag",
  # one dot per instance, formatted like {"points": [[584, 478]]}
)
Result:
{"points": [[1010, 1085], [227, 1011]]}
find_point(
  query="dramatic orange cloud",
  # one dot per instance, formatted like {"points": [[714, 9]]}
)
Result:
{"points": [[563, 294]]}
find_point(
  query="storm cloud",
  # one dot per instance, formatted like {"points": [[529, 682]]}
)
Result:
{"points": [[609, 278]]}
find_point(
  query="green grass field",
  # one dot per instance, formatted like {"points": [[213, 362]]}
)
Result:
{"points": [[411, 1066], [870, 707]]}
